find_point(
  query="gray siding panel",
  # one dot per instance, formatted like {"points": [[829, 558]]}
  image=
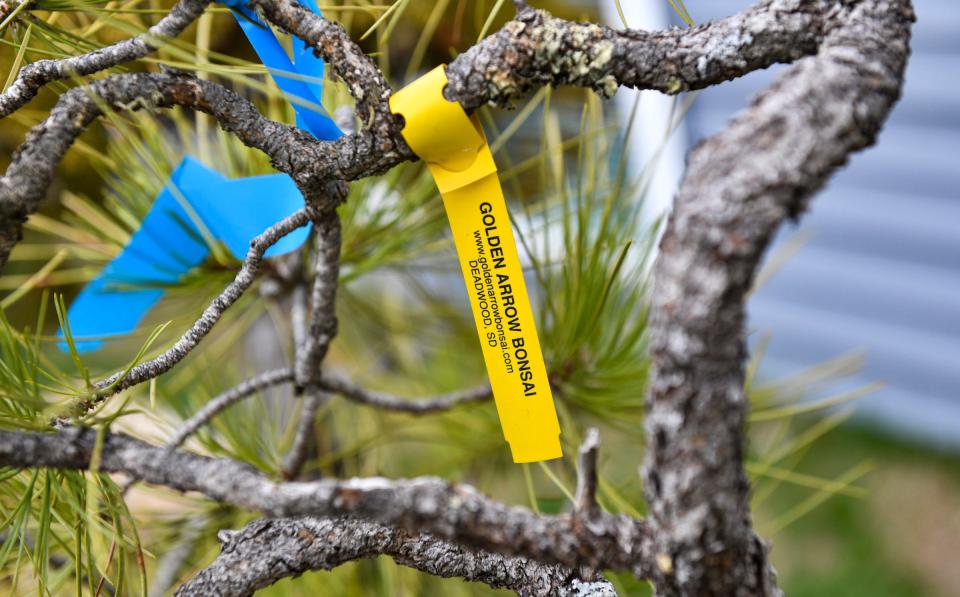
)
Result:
{"points": [[881, 271]]}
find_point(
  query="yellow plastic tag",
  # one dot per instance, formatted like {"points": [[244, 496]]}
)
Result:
{"points": [[456, 151]]}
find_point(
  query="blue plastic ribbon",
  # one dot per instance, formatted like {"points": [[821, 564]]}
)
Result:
{"points": [[306, 69], [169, 242]]}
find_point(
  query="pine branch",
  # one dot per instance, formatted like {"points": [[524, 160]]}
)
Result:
{"points": [[266, 551], [34, 76], [454, 512], [323, 316], [536, 49], [332, 384], [315, 342], [31, 170], [304, 441]]}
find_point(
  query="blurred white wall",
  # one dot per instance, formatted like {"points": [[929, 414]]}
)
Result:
{"points": [[654, 150]]}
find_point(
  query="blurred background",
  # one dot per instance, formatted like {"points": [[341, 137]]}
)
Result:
{"points": [[855, 326]]}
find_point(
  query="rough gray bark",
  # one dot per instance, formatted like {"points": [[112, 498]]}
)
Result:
{"points": [[537, 49], [739, 187], [266, 551]]}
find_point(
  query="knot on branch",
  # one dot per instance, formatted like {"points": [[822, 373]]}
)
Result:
{"points": [[326, 196], [533, 50]]}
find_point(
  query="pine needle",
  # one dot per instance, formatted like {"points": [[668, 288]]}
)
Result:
{"points": [[681, 11], [386, 15], [426, 35], [809, 504], [490, 18], [13, 15], [793, 410], [556, 481], [531, 493], [623, 18], [18, 59], [34, 280], [803, 480]]}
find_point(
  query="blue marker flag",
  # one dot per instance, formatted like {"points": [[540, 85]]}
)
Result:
{"points": [[169, 243], [300, 78]]}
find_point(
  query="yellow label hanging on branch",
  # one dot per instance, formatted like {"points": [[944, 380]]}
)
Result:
{"points": [[455, 149]]}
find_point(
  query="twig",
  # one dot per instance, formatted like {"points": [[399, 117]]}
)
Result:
{"points": [[224, 400], [173, 355], [341, 386], [217, 405], [365, 82], [315, 342], [323, 300], [414, 406], [305, 439]]}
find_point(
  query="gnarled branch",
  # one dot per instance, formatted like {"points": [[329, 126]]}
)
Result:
{"points": [[739, 187], [537, 49], [266, 551], [532, 50], [31, 170]]}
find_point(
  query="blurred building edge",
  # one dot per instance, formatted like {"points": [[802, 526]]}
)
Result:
{"points": [[880, 272], [657, 153]]}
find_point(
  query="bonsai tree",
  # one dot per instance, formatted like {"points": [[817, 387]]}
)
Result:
{"points": [[667, 362]]}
